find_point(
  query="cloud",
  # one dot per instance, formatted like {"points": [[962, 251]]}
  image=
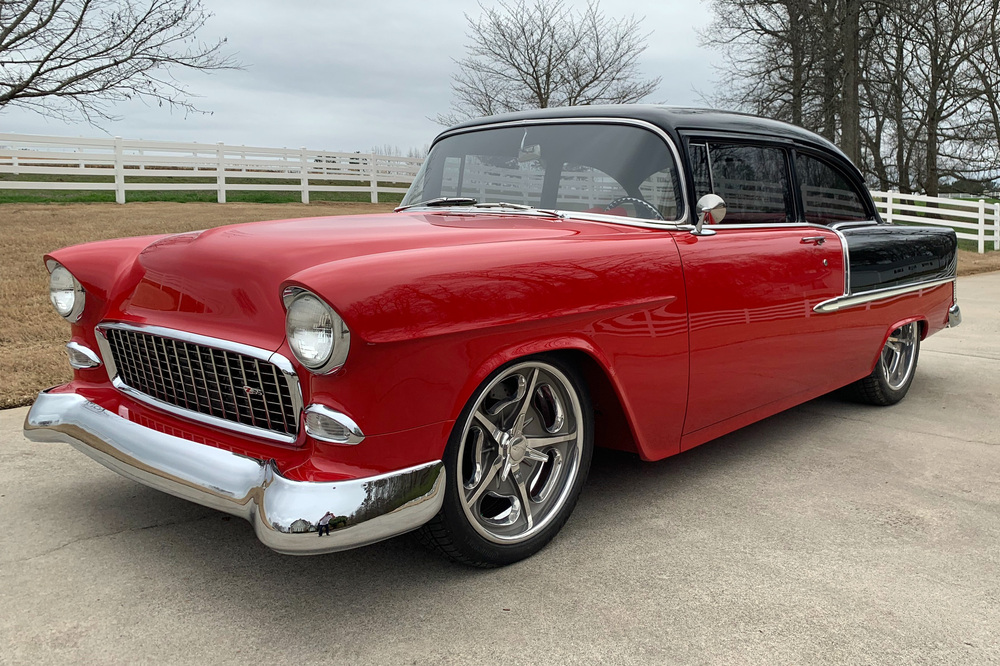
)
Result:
{"points": [[333, 75]]}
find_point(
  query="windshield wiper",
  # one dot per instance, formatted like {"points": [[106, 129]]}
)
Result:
{"points": [[442, 201], [502, 204], [469, 201], [516, 206]]}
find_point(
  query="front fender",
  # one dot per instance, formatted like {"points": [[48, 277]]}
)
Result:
{"points": [[428, 325], [428, 292]]}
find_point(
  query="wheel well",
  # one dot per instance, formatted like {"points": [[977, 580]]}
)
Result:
{"points": [[611, 427]]}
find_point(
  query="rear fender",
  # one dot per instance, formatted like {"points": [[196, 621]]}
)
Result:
{"points": [[902, 322]]}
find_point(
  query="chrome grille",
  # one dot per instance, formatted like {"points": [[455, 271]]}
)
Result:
{"points": [[205, 380]]}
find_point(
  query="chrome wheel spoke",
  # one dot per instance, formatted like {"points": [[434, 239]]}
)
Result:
{"points": [[505, 468], [477, 459], [488, 426], [522, 492], [522, 410], [536, 455], [894, 363], [537, 443], [484, 483]]}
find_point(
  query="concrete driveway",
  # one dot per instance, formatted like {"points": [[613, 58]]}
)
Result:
{"points": [[832, 533]]}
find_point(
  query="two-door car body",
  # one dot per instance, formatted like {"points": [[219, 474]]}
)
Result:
{"points": [[636, 277]]}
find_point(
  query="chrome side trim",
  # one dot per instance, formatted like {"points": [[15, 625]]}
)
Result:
{"points": [[954, 316], [282, 363], [616, 219], [354, 436], [286, 514], [854, 300], [847, 259], [81, 357]]}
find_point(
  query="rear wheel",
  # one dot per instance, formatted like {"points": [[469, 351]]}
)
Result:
{"points": [[516, 462], [893, 374]]}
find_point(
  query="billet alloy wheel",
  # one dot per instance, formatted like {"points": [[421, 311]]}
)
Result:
{"points": [[520, 454], [899, 356], [893, 373]]}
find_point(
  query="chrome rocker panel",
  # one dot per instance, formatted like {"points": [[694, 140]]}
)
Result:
{"points": [[285, 513]]}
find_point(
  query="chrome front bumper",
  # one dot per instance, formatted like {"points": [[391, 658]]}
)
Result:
{"points": [[285, 513]]}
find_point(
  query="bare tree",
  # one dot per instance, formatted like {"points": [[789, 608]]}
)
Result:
{"points": [[906, 87], [72, 58], [536, 55]]}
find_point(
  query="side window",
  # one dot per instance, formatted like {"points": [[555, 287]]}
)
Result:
{"points": [[827, 195], [753, 180], [699, 169]]}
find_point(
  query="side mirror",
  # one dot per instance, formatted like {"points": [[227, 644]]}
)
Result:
{"points": [[711, 209]]}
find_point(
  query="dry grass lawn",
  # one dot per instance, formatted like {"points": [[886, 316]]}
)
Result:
{"points": [[32, 335]]}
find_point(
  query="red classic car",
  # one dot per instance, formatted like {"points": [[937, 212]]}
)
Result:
{"points": [[636, 277]]}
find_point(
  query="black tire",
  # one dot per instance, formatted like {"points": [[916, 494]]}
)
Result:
{"points": [[888, 384], [466, 531]]}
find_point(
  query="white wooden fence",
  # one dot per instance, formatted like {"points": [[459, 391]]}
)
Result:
{"points": [[972, 220], [124, 165]]}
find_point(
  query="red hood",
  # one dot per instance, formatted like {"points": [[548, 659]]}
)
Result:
{"points": [[218, 281]]}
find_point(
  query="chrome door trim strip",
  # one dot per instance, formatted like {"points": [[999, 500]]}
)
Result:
{"points": [[854, 300], [282, 363]]}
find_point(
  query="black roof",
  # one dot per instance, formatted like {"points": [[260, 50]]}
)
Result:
{"points": [[671, 119]]}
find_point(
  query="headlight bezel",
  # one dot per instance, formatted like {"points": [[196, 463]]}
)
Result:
{"points": [[340, 333], [73, 314]]}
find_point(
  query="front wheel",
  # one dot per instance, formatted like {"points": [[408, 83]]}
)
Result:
{"points": [[893, 374], [516, 462]]}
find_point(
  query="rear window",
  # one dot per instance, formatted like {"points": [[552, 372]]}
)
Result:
{"points": [[827, 195]]}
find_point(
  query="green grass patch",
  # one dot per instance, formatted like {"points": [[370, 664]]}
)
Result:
{"points": [[185, 196], [292, 195]]}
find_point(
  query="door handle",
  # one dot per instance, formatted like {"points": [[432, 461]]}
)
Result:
{"points": [[815, 240]]}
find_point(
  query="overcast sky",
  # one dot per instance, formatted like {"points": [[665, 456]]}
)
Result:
{"points": [[341, 75]]}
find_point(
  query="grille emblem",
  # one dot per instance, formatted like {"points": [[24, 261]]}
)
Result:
{"points": [[249, 390]]}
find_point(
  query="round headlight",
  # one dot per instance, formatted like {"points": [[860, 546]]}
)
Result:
{"points": [[316, 334], [66, 293]]}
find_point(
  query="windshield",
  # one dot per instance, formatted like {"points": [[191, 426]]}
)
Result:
{"points": [[582, 167]]}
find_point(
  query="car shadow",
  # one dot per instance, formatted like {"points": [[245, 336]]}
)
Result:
{"points": [[215, 562]]}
